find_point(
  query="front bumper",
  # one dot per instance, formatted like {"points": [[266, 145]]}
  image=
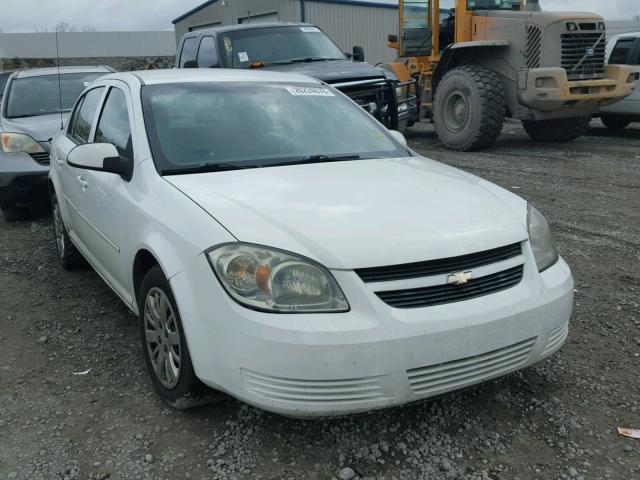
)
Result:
{"points": [[549, 90], [374, 356], [22, 179]]}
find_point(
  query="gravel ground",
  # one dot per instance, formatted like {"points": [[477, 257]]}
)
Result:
{"points": [[556, 420]]}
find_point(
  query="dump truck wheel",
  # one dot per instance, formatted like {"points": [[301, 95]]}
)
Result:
{"points": [[557, 129], [469, 108], [615, 122]]}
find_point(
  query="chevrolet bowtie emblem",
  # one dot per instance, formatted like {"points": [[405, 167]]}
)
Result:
{"points": [[460, 278]]}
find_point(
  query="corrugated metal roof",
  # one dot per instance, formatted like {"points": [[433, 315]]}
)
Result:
{"points": [[360, 3]]}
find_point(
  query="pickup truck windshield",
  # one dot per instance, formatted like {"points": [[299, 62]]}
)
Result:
{"points": [[276, 45], [34, 96], [197, 127]]}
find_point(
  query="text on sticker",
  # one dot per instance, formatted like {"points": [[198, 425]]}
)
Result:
{"points": [[310, 91]]}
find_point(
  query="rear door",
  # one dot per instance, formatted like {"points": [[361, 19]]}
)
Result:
{"points": [[634, 61], [626, 51]]}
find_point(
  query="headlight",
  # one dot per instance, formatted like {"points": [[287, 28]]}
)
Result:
{"points": [[541, 239], [19, 142], [401, 93], [272, 280]]}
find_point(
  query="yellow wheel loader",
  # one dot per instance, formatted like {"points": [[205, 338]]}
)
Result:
{"points": [[487, 60]]}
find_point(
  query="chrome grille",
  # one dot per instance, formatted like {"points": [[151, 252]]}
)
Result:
{"points": [[534, 46], [42, 158], [583, 55], [439, 267], [470, 370], [441, 294]]}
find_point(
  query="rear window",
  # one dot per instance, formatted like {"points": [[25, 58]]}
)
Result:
{"points": [[44, 95]]}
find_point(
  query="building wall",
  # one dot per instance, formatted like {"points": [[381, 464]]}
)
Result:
{"points": [[346, 24], [88, 44], [350, 25]]}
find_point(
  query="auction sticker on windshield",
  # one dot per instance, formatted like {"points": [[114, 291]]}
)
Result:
{"points": [[310, 91]]}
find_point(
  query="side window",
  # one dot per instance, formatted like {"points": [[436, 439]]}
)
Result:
{"points": [[620, 53], [86, 114], [207, 52], [188, 50], [74, 116], [113, 125]]}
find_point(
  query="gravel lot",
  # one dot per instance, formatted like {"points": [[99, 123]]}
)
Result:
{"points": [[556, 420]]}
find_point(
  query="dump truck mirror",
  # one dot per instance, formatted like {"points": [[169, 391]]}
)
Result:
{"points": [[392, 38], [358, 54]]}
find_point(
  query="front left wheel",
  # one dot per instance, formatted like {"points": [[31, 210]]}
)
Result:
{"points": [[557, 129], [165, 347]]}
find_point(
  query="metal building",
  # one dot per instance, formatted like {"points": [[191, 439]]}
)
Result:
{"points": [[347, 22]]}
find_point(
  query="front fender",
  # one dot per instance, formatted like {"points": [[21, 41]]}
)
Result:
{"points": [[454, 53]]}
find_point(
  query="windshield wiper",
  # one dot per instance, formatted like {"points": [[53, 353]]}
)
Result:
{"points": [[211, 167], [313, 59], [315, 159]]}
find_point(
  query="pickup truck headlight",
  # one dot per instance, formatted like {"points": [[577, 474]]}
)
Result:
{"points": [[541, 239], [271, 280], [402, 93], [19, 142]]}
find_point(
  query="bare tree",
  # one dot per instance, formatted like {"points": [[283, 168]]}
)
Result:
{"points": [[63, 27], [636, 18]]}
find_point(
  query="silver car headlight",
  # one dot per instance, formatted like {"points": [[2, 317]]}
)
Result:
{"points": [[271, 280], [541, 239], [19, 142]]}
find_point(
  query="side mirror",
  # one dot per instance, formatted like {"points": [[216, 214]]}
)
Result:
{"points": [[101, 157], [399, 137], [392, 38], [191, 64], [358, 54]]}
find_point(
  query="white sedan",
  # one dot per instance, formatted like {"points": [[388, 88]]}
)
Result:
{"points": [[280, 245]]}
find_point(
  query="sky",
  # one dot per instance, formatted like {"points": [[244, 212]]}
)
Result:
{"points": [[109, 15]]}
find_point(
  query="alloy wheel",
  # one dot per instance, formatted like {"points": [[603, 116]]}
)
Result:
{"points": [[162, 337]]}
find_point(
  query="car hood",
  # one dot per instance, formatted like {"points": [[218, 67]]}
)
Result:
{"points": [[41, 128], [361, 213], [334, 71]]}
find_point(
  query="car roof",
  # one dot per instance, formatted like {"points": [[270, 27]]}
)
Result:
{"points": [[39, 72], [245, 26], [624, 35], [213, 75]]}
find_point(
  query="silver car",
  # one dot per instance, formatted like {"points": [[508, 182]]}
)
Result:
{"points": [[34, 107]]}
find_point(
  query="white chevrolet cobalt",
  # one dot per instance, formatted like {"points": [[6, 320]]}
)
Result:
{"points": [[280, 245]]}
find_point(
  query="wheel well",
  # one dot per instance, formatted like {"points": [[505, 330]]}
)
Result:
{"points": [[52, 189], [143, 262]]}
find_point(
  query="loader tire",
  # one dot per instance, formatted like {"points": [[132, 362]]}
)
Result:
{"points": [[615, 122], [557, 129], [469, 108]]}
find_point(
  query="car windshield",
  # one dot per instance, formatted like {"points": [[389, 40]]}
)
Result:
{"points": [[222, 126], [277, 45], [44, 95], [493, 4]]}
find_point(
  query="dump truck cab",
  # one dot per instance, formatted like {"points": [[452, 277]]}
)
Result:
{"points": [[491, 59]]}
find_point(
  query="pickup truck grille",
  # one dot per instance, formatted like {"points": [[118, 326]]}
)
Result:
{"points": [[42, 158], [583, 55], [375, 97]]}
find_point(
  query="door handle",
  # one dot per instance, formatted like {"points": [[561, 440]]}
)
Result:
{"points": [[83, 183]]}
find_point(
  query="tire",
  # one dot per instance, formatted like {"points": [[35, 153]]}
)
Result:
{"points": [[70, 257], [557, 129], [13, 213], [615, 122], [469, 108], [165, 347]]}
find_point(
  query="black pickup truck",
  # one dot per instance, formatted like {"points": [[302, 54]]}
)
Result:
{"points": [[302, 48]]}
